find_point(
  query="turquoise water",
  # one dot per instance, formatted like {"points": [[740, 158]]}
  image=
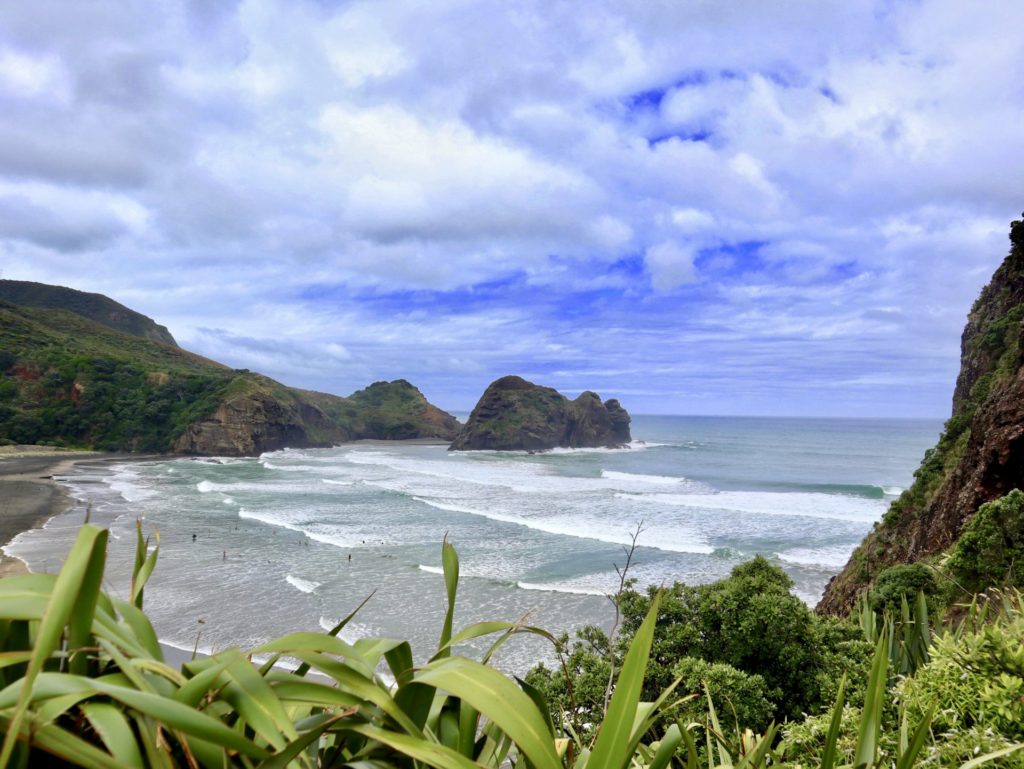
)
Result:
{"points": [[296, 539]]}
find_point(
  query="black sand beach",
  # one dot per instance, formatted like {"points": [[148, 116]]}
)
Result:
{"points": [[28, 494]]}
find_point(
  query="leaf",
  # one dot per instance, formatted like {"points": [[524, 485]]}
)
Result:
{"points": [[500, 700], [58, 610], [992, 756], [828, 755], [871, 718], [666, 748], [416, 748], [450, 562], [908, 756], [612, 746], [113, 728]]}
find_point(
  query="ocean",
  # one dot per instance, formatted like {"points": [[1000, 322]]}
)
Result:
{"points": [[251, 549]]}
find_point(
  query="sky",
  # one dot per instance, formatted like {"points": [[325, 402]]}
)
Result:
{"points": [[698, 207]]}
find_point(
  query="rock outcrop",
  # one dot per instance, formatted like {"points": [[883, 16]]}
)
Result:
{"points": [[397, 410], [516, 415], [254, 422], [274, 417], [980, 456]]}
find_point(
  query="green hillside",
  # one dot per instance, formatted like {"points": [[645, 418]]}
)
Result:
{"points": [[69, 380], [96, 307]]}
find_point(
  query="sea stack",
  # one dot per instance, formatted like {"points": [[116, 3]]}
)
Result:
{"points": [[516, 415]]}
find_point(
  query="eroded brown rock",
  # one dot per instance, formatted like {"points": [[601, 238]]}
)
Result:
{"points": [[980, 457], [516, 415]]}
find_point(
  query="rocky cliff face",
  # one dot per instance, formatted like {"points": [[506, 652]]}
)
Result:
{"points": [[516, 415], [250, 424], [979, 457], [267, 416]]}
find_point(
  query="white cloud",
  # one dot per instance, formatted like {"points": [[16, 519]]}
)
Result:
{"points": [[670, 265], [821, 163]]}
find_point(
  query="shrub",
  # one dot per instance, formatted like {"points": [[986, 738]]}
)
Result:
{"points": [[990, 551], [740, 699], [895, 582]]}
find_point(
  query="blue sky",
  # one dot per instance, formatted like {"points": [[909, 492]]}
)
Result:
{"points": [[697, 207]]}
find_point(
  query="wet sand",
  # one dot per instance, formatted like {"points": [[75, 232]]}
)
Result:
{"points": [[29, 496]]}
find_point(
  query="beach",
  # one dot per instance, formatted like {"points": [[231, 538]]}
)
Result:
{"points": [[29, 495], [296, 539]]}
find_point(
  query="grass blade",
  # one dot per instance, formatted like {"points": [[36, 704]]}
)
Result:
{"points": [[612, 746], [828, 755], [450, 562], [494, 695], [90, 540], [871, 718]]}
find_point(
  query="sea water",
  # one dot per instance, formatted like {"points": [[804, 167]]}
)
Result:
{"points": [[251, 549]]}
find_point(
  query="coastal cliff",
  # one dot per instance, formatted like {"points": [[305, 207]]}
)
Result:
{"points": [[81, 370], [516, 415], [980, 455], [264, 415]]}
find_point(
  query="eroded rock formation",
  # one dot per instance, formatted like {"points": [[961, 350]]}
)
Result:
{"points": [[516, 415]]}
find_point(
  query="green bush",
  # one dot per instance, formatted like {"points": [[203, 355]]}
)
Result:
{"points": [[895, 582], [748, 621], [740, 699], [990, 551]]}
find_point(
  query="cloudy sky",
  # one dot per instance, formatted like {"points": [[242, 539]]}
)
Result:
{"points": [[700, 207]]}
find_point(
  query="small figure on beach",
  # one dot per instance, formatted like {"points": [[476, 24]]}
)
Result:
{"points": [[350, 557], [224, 557], [193, 537]]}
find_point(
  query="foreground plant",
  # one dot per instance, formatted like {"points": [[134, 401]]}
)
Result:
{"points": [[85, 682]]}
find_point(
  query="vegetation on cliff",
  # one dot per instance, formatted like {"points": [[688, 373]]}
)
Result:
{"points": [[71, 379], [980, 455], [95, 307]]}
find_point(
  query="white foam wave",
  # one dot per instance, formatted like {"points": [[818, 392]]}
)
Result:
{"points": [[290, 468], [205, 487], [124, 483], [269, 519], [305, 585], [328, 535], [431, 569], [677, 541], [806, 504], [337, 483], [228, 501], [558, 588], [832, 557], [660, 480], [892, 491]]}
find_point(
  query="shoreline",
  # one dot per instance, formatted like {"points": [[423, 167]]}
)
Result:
{"points": [[30, 496]]}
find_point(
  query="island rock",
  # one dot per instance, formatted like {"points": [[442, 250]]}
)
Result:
{"points": [[516, 415]]}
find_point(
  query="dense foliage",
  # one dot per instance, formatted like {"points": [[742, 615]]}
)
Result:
{"points": [[990, 550], [66, 380], [83, 683], [751, 634], [895, 583]]}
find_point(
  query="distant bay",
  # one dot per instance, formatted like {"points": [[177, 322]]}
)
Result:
{"points": [[296, 539]]}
